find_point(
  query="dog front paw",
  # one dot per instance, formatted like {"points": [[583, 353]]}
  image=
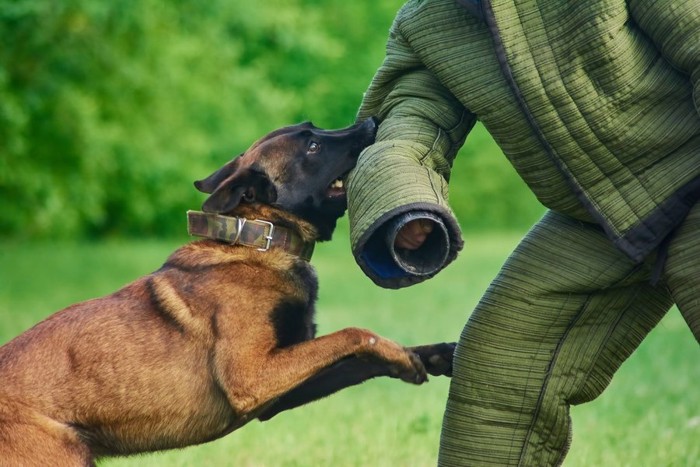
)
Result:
{"points": [[437, 358], [415, 372], [399, 362]]}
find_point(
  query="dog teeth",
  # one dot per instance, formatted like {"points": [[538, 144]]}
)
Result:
{"points": [[337, 184]]}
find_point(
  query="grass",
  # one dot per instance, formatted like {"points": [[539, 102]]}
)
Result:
{"points": [[650, 415]]}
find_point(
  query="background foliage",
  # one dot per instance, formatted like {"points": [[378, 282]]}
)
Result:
{"points": [[109, 110]]}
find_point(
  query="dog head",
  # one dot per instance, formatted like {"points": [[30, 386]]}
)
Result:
{"points": [[298, 169]]}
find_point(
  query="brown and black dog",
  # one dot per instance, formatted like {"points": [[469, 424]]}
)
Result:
{"points": [[221, 334]]}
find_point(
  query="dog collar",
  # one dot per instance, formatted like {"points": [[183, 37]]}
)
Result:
{"points": [[256, 233]]}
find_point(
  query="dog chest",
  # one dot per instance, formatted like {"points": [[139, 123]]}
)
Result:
{"points": [[293, 316]]}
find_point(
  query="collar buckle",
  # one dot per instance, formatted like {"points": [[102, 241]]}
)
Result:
{"points": [[268, 236]]}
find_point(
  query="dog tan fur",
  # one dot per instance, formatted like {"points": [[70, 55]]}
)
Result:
{"points": [[221, 334]]}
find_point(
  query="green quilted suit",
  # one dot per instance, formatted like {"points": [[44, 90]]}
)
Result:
{"points": [[597, 106]]}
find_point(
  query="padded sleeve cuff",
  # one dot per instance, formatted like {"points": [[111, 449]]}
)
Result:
{"points": [[375, 254]]}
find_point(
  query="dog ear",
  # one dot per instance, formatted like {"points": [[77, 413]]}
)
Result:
{"points": [[209, 184], [244, 185]]}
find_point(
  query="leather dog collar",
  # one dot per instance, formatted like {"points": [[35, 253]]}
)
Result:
{"points": [[256, 233]]}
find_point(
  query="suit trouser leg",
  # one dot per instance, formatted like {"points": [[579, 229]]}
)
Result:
{"points": [[565, 311], [682, 272]]}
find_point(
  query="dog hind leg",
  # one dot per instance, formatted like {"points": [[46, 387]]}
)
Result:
{"points": [[30, 444]]}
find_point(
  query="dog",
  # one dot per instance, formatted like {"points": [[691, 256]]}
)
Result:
{"points": [[221, 334]]}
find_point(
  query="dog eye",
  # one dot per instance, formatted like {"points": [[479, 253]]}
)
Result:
{"points": [[313, 147]]}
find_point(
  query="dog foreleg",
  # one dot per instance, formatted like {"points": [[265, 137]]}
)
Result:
{"points": [[343, 374], [283, 369], [353, 370]]}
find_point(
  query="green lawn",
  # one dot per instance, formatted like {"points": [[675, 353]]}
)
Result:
{"points": [[650, 415]]}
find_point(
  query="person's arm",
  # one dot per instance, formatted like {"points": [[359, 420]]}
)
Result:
{"points": [[404, 175]]}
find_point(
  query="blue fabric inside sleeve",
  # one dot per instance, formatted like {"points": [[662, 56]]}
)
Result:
{"points": [[377, 257]]}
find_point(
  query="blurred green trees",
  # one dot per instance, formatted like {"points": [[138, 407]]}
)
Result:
{"points": [[109, 110]]}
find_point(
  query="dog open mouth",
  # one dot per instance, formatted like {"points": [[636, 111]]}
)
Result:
{"points": [[337, 188]]}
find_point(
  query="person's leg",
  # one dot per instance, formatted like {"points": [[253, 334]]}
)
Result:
{"points": [[562, 315], [682, 272]]}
